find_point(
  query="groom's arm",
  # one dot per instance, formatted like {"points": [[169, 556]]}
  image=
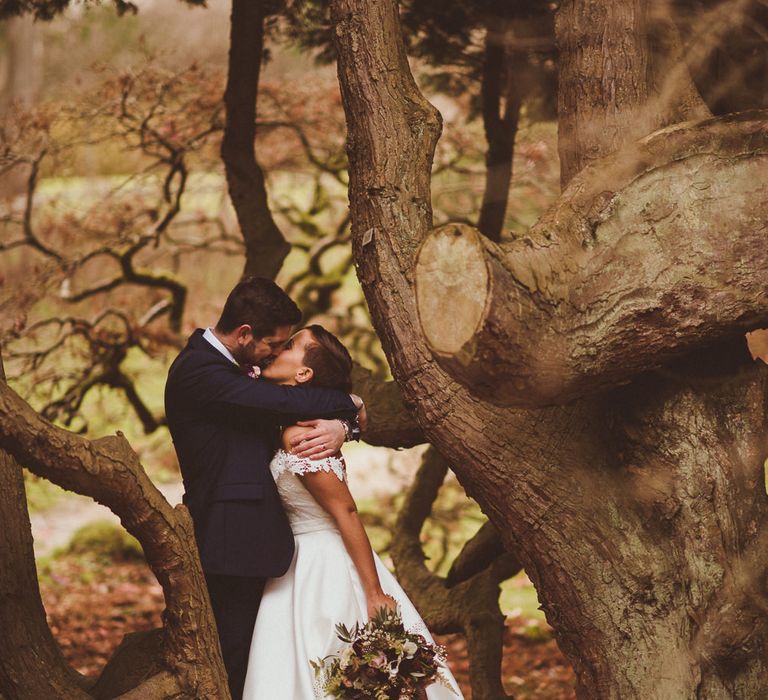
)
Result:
{"points": [[326, 437], [226, 390]]}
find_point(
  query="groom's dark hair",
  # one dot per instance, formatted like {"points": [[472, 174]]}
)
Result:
{"points": [[261, 304], [329, 360]]}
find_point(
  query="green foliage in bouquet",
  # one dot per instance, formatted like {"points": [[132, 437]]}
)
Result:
{"points": [[381, 660]]}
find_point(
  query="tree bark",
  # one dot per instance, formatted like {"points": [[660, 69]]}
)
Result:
{"points": [[109, 471], [640, 514], [265, 246], [31, 663]]}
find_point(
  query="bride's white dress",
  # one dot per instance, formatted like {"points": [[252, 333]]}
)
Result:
{"points": [[300, 610]]}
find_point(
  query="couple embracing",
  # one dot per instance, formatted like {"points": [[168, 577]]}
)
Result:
{"points": [[283, 549]]}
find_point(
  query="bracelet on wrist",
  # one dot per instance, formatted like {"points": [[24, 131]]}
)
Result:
{"points": [[351, 430]]}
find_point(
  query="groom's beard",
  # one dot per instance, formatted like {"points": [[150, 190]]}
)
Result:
{"points": [[266, 362]]}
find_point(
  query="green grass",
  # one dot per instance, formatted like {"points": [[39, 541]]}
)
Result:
{"points": [[518, 594], [105, 539]]}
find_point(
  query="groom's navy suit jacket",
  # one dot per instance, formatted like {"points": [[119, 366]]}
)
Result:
{"points": [[223, 425]]}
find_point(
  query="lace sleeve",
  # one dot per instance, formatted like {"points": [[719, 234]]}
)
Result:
{"points": [[285, 461]]}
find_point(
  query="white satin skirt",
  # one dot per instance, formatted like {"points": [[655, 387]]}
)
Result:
{"points": [[298, 615]]}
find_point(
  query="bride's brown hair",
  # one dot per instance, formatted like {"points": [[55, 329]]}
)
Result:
{"points": [[329, 360]]}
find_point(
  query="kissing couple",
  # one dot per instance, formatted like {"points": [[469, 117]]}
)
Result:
{"points": [[283, 549]]}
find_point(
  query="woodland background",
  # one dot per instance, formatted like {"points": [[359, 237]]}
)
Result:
{"points": [[130, 205]]}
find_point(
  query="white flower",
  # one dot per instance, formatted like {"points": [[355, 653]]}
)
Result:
{"points": [[346, 656], [410, 649]]}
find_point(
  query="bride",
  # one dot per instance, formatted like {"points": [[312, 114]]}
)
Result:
{"points": [[335, 576]]}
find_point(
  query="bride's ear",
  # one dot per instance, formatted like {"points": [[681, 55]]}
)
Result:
{"points": [[304, 375]]}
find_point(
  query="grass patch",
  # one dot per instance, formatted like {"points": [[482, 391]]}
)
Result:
{"points": [[105, 540]]}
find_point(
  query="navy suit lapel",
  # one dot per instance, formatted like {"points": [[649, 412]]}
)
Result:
{"points": [[196, 341]]}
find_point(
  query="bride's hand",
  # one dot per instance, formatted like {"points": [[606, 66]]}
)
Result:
{"points": [[378, 601]]}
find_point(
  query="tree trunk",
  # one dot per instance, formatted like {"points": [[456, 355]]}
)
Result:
{"points": [[21, 72], [640, 514], [21, 62], [607, 91], [31, 663], [265, 246]]}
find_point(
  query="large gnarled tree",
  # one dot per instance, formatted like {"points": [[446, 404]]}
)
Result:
{"points": [[590, 381]]}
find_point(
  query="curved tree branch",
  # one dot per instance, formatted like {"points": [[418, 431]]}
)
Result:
{"points": [[109, 471]]}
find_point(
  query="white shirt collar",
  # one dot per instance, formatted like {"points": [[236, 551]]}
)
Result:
{"points": [[213, 340]]}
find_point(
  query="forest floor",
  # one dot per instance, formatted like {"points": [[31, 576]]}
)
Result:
{"points": [[91, 603], [96, 586]]}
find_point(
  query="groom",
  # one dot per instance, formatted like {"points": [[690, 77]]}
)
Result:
{"points": [[223, 424]]}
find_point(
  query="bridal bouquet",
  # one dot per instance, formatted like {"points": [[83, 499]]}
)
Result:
{"points": [[381, 660]]}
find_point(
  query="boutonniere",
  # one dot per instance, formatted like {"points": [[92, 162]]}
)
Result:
{"points": [[252, 371]]}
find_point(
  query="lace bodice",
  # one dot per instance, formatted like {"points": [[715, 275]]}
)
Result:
{"points": [[304, 512]]}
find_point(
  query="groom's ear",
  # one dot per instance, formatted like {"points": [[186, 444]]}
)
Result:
{"points": [[304, 375], [244, 333]]}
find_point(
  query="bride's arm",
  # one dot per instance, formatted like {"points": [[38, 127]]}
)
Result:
{"points": [[334, 496]]}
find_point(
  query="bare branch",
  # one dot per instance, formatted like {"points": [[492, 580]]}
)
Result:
{"points": [[477, 554]]}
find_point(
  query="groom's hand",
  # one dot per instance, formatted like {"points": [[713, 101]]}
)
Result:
{"points": [[324, 440]]}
